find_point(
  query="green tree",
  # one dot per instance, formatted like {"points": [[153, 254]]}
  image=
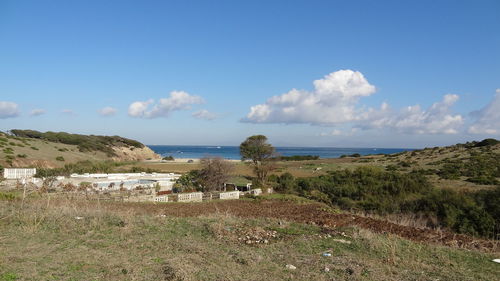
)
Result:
{"points": [[261, 153]]}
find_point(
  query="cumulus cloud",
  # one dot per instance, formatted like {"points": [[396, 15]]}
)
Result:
{"points": [[37, 112], [437, 119], [488, 118], [332, 101], [178, 100], [204, 114], [107, 111], [8, 109], [335, 102]]}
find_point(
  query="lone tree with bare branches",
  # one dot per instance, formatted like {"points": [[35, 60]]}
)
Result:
{"points": [[214, 173], [261, 153]]}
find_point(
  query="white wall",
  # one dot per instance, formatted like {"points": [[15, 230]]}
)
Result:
{"points": [[18, 173]]}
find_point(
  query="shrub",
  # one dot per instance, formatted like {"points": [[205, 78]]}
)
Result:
{"points": [[60, 158], [168, 158], [487, 142]]}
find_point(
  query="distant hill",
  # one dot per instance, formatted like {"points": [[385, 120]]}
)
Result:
{"points": [[21, 148], [476, 162]]}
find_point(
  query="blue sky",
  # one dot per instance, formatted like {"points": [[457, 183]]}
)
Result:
{"points": [[388, 73]]}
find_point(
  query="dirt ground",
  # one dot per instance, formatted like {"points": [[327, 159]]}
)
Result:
{"points": [[310, 213]]}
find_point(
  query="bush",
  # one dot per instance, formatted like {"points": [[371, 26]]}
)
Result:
{"points": [[60, 158], [168, 158], [487, 142]]}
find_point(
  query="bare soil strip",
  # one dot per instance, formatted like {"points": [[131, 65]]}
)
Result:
{"points": [[312, 214]]}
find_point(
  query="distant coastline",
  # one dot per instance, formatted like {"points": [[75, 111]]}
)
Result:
{"points": [[232, 152]]}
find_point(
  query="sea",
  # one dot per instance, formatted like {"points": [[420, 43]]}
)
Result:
{"points": [[233, 152]]}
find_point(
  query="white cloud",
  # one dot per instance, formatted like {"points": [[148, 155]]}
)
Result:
{"points": [[8, 109], [67, 111], [337, 132], [204, 114], [107, 111], [437, 119], [488, 118], [178, 100], [332, 101], [37, 112]]}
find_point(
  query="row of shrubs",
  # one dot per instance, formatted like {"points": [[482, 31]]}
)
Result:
{"points": [[84, 142], [373, 190], [298, 157]]}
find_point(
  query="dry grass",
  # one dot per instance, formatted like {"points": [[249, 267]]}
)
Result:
{"points": [[45, 153], [64, 239]]}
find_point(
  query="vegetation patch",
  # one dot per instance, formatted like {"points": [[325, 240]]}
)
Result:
{"points": [[84, 142], [373, 190]]}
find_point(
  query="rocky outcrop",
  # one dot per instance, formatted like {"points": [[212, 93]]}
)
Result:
{"points": [[125, 153]]}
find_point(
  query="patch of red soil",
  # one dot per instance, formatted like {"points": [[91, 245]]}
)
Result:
{"points": [[313, 214]]}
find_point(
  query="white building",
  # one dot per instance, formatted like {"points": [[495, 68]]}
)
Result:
{"points": [[18, 173]]}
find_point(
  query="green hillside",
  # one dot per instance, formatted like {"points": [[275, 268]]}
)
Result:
{"points": [[32, 148]]}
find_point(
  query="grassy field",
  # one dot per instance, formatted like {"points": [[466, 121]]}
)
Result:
{"points": [[34, 152], [53, 240]]}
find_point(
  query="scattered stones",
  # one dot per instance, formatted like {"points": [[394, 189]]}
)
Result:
{"points": [[290, 266], [257, 236]]}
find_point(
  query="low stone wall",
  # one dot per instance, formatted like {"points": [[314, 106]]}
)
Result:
{"points": [[163, 198], [190, 197], [229, 195]]}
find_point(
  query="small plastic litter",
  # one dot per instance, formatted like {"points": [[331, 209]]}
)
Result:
{"points": [[291, 267], [78, 218], [327, 254], [327, 269], [496, 260], [342, 241]]}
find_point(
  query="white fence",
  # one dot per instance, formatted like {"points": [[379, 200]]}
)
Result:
{"points": [[229, 195], [18, 173], [190, 197], [161, 198]]}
